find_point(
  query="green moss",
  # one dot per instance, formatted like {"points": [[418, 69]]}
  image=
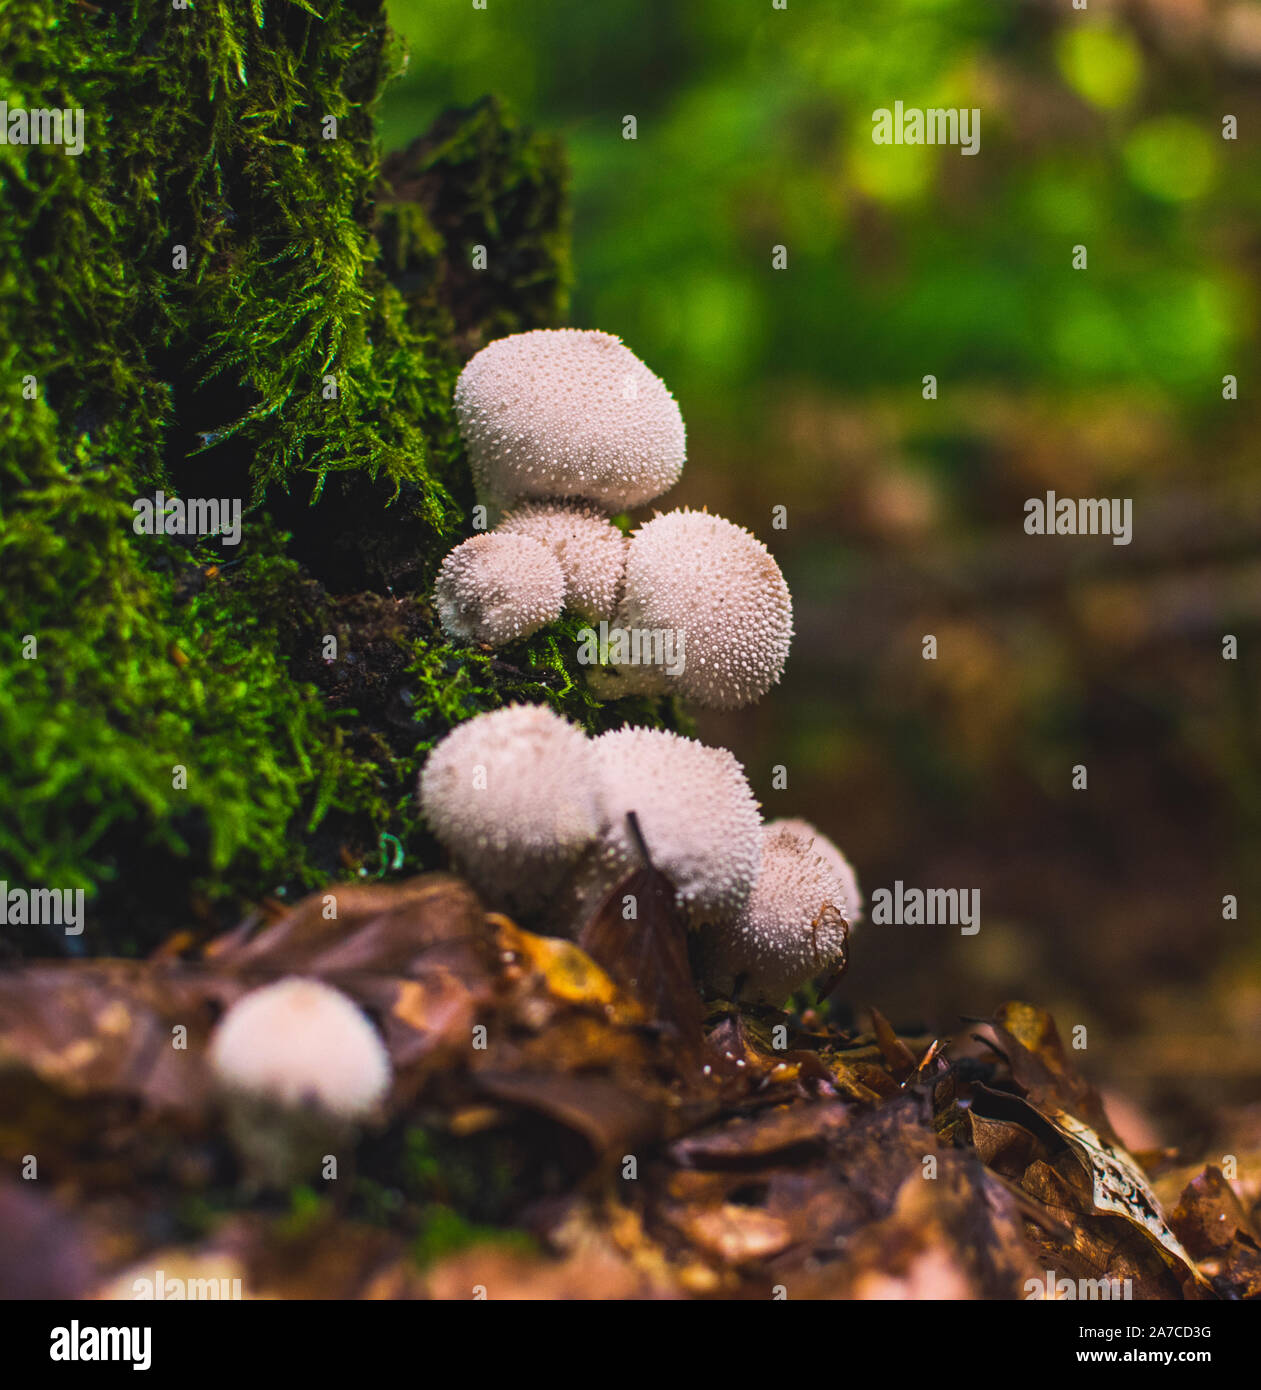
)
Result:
{"points": [[205, 129], [496, 208], [460, 1191], [307, 265], [445, 1232]]}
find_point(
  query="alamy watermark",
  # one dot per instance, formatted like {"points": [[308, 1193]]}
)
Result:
{"points": [[77, 1342], [912, 125], [162, 1288], [1062, 1287], [42, 126], [1080, 516], [161, 515], [900, 906], [633, 646], [42, 907]]}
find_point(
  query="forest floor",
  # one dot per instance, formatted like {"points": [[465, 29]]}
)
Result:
{"points": [[549, 1134]]}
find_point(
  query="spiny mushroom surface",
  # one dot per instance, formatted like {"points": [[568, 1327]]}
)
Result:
{"points": [[301, 1042], [568, 412], [512, 796], [791, 928], [591, 551], [698, 817], [834, 859], [498, 588], [718, 586]]}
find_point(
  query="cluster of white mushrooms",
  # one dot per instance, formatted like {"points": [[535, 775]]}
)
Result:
{"points": [[564, 428], [535, 813]]}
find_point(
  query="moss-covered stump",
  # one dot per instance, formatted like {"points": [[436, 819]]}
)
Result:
{"points": [[220, 298]]}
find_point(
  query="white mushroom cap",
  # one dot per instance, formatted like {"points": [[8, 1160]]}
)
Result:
{"points": [[591, 551], [695, 810], [512, 796], [568, 413], [300, 1042], [718, 587], [791, 929], [835, 861], [497, 589]]}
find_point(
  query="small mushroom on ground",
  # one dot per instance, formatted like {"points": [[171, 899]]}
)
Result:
{"points": [[498, 588], [591, 551], [512, 796], [792, 928], [716, 590], [568, 413], [697, 815], [300, 1067]]}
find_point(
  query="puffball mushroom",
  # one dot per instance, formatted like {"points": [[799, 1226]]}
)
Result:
{"points": [[300, 1066], [498, 588], [512, 796], [791, 928], [568, 412], [834, 860], [717, 588], [696, 812], [590, 550]]}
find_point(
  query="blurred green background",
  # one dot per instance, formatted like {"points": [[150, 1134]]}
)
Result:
{"points": [[801, 387]]}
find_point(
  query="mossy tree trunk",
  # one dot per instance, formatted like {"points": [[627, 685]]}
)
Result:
{"points": [[220, 297]]}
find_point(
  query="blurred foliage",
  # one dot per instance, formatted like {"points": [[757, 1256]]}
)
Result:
{"points": [[754, 129]]}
